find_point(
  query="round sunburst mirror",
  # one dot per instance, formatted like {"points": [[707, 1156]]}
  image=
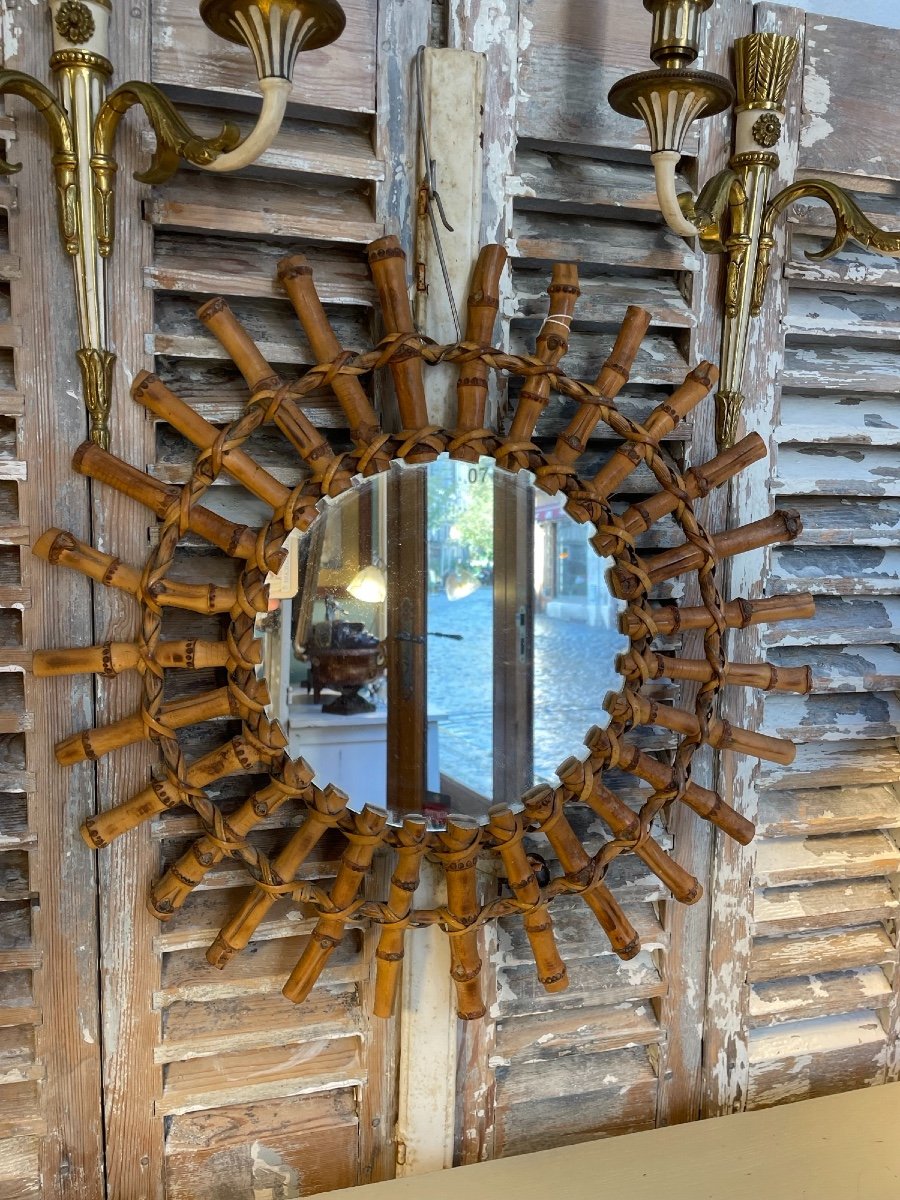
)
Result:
{"points": [[438, 664], [439, 575]]}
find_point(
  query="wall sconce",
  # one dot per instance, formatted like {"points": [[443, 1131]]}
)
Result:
{"points": [[84, 120], [733, 214]]}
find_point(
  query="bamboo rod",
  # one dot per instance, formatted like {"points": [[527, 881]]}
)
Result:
{"points": [[410, 844], [508, 828], [683, 886], [309, 442], [296, 277], [240, 347], [781, 526], [152, 393], [169, 892], [720, 734], [705, 803], [623, 823], [112, 658], [238, 541], [552, 343], [483, 306], [767, 677], [612, 378], [661, 421], [738, 614], [177, 714], [458, 854], [59, 547], [233, 757], [542, 807], [324, 807], [698, 482], [362, 838], [387, 263]]}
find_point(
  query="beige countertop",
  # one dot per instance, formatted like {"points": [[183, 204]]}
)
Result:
{"points": [[838, 1148]]}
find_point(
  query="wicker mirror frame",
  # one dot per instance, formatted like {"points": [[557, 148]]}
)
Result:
{"points": [[261, 746]]}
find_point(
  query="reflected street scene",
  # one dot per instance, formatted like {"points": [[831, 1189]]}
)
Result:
{"points": [[453, 638]]}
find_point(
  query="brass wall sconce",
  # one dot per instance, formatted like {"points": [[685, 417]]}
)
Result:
{"points": [[83, 121], [733, 214]]}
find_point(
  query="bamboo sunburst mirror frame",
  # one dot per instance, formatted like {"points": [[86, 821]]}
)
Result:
{"points": [[261, 744]]}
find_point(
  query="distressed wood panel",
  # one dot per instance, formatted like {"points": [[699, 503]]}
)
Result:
{"points": [[340, 76], [51, 1140], [850, 80], [571, 55]]}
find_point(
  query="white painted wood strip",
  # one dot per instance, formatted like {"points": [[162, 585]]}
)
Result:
{"points": [[860, 669], [537, 1038], [659, 359], [774, 1002], [854, 266], [806, 1059], [185, 54], [324, 212], [603, 301], [835, 764], [838, 470], [845, 520], [836, 417], [823, 906], [830, 366], [835, 571], [244, 267], [551, 237], [832, 717], [546, 178], [817, 951], [300, 147], [840, 315], [829, 810], [789, 860]]}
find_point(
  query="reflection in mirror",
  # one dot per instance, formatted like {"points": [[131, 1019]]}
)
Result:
{"points": [[454, 638]]}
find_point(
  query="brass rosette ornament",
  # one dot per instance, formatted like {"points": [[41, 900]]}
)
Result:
{"points": [[511, 833]]}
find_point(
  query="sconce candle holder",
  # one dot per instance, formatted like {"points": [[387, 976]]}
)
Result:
{"points": [[83, 121], [733, 214]]}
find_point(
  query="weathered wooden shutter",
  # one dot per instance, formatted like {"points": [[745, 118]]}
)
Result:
{"points": [[803, 986], [242, 1091], [620, 1049], [50, 1122]]}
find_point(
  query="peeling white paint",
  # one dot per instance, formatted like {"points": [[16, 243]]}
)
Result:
{"points": [[817, 97]]}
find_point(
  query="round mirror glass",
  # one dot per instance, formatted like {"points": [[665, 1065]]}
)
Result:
{"points": [[452, 638]]}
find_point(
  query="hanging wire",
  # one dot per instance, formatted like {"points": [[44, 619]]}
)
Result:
{"points": [[430, 188]]}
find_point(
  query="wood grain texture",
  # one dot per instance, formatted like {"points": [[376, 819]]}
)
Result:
{"points": [[849, 71], [64, 1108], [726, 1058]]}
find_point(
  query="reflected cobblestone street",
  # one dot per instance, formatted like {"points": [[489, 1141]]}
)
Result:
{"points": [[573, 673]]}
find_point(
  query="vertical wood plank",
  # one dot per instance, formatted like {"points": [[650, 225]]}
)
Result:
{"points": [[129, 965], [403, 26], [61, 871], [726, 1059], [492, 29], [681, 1010]]}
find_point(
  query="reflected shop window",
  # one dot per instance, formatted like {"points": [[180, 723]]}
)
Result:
{"points": [[441, 639]]}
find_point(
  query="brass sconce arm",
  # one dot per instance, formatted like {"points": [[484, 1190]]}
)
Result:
{"points": [[850, 222], [83, 122], [733, 214], [718, 211], [16, 83], [175, 141]]}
